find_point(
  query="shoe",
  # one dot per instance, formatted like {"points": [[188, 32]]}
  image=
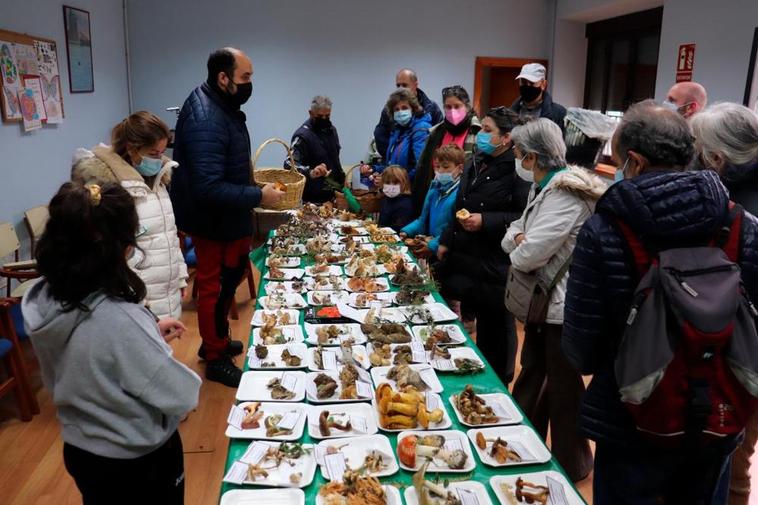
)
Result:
{"points": [[223, 370], [234, 348]]}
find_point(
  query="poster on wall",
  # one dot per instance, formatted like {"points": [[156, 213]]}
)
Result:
{"points": [[79, 50], [50, 79], [31, 114], [11, 83], [26, 59], [33, 82]]}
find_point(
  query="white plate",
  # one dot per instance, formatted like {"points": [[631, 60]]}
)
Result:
{"points": [[355, 450], [267, 496], [336, 223], [382, 285], [448, 365], [473, 487], [291, 334], [284, 287], [502, 405], [326, 285], [393, 348], [333, 270], [456, 439], [456, 334], [327, 298], [524, 436], [391, 496], [440, 312], [253, 388], [292, 250], [431, 398], [352, 330], [360, 354], [285, 301], [383, 300], [310, 389], [384, 314], [294, 316], [539, 478], [379, 376], [271, 409], [344, 412], [427, 299], [285, 262], [280, 476], [274, 358], [288, 274]]}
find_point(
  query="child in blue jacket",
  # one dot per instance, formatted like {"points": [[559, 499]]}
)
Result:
{"points": [[439, 203]]}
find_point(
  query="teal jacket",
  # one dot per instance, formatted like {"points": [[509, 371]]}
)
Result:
{"points": [[437, 213]]}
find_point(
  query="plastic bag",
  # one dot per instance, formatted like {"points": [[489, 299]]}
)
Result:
{"points": [[592, 124]]}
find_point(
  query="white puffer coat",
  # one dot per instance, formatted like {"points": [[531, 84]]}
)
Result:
{"points": [[158, 259]]}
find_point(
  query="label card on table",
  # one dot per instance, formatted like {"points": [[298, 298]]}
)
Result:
{"points": [[329, 359], [363, 374], [557, 493], [467, 497], [418, 353], [237, 473], [319, 453], [432, 401], [521, 451], [289, 420], [254, 453], [364, 389], [500, 411], [236, 416], [453, 444], [254, 361], [335, 466], [289, 381], [428, 376], [359, 424], [444, 364]]}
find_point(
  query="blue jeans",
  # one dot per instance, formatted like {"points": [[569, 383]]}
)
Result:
{"points": [[653, 476]]}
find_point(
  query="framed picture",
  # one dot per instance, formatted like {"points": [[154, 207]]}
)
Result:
{"points": [[79, 49], [751, 88]]}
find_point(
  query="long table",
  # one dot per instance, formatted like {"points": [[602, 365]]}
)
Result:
{"points": [[484, 382]]}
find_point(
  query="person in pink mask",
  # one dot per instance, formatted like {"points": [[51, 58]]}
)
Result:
{"points": [[459, 127]]}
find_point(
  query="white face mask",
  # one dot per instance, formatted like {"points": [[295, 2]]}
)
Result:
{"points": [[525, 174], [391, 190]]}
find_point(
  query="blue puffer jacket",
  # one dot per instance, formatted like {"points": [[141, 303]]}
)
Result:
{"points": [[669, 209], [407, 143], [436, 215], [210, 190]]}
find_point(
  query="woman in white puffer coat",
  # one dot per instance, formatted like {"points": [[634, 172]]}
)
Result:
{"points": [[135, 160]]}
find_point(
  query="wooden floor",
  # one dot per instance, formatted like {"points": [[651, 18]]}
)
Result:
{"points": [[31, 462]]}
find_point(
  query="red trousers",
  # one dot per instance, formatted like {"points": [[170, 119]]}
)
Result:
{"points": [[220, 268]]}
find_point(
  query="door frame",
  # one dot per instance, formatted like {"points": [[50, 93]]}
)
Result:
{"points": [[483, 62]]}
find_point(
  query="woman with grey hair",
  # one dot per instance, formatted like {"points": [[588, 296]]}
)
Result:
{"points": [[540, 245], [726, 138]]}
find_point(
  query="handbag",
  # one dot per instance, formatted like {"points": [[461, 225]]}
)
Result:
{"points": [[527, 298]]}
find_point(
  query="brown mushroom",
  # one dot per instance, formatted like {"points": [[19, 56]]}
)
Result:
{"points": [[325, 423]]}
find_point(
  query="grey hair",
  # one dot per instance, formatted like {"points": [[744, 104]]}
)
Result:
{"points": [[729, 129], [543, 138], [321, 102], [410, 72]]}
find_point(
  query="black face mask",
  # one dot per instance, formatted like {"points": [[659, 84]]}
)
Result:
{"points": [[529, 93], [322, 123], [243, 94]]}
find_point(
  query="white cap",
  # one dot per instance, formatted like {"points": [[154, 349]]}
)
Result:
{"points": [[533, 72]]}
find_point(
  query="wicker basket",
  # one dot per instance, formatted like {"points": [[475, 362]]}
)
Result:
{"points": [[370, 200], [291, 178]]}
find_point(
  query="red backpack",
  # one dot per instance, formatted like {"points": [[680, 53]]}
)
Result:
{"points": [[687, 365]]}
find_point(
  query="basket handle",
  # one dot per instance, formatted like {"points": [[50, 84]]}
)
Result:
{"points": [[350, 170], [273, 141]]}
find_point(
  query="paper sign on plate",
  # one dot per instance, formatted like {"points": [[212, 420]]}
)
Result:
{"points": [[289, 382], [359, 424], [236, 415], [444, 364], [500, 412], [467, 497], [418, 352], [237, 473], [453, 444], [521, 451], [557, 493], [363, 374], [335, 466], [328, 359], [427, 375], [319, 452], [432, 402], [363, 389], [254, 453], [289, 420]]}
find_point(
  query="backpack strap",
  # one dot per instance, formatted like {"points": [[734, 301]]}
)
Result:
{"points": [[728, 237], [640, 254]]}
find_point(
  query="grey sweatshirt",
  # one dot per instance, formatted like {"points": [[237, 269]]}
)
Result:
{"points": [[118, 391]]}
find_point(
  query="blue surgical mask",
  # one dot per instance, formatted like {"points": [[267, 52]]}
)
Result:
{"points": [[619, 176], [403, 117], [444, 179], [483, 142], [149, 167]]}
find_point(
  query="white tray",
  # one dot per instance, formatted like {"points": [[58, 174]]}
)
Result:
{"points": [[356, 409], [433, 398], [310, 389], [473, 487], [286, 262], [292, 334], [370, 349], [360, 355], [293, 250], [382, 285], [353, 329], [440, 312], [437, 465], [333, 270], [383, 299], [427, 299], [539, 478], [455, 332], [448, 365], [287, 301], [258, 316], [379, 376], [252, 386], [391, 495], [270, 409], [280, 476], [289, 274], [274, 357], [267, 496], [503, 406], [355, 450], [327, 298], [284, 287], [310, 284], [522, 435]]}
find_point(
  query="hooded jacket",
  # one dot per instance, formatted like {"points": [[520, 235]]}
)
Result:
{"points": [[407, 142], [436, 214], [384, 128], [118, 391], [158, 259], [551, 222]]}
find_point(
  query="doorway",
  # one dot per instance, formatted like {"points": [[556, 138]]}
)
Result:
{"points": [[495, 81]]}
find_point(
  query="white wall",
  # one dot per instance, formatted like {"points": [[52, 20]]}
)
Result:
{"points": [[588, 11], [35, 164], [569, 63], [349, 50]]}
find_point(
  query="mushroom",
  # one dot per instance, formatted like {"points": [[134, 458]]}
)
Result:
{"points": [[425, 417], [499, 451], [253, 415], [272, 428], [254, 471], [539, 494], [423, 487], [325, 423]]}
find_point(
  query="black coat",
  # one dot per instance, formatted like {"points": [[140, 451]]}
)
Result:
{"points": [[553, 111], [210, 189], [311, 147], [742, 183], [670, 209], [491, 187], [396, 212], [384, 128]]}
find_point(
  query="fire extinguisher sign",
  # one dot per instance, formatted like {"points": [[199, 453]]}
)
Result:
{"points": [[685, 62]]}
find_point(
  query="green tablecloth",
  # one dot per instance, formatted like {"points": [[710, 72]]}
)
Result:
{"points": [[484, 382]]}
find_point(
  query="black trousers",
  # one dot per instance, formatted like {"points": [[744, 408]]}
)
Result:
{"points": [[156, 478], [549, 390]]}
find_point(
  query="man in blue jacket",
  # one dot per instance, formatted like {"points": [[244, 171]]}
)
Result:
{"points": [[213, 198]]}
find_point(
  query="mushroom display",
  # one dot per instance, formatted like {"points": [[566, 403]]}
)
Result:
{"points": [[326, 423]]}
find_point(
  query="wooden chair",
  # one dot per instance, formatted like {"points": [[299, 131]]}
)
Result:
{"points": [[36, 220], [10, 352], [18, 270]]}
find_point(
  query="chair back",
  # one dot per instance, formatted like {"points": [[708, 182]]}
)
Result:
{"points": [[35, 220]]}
